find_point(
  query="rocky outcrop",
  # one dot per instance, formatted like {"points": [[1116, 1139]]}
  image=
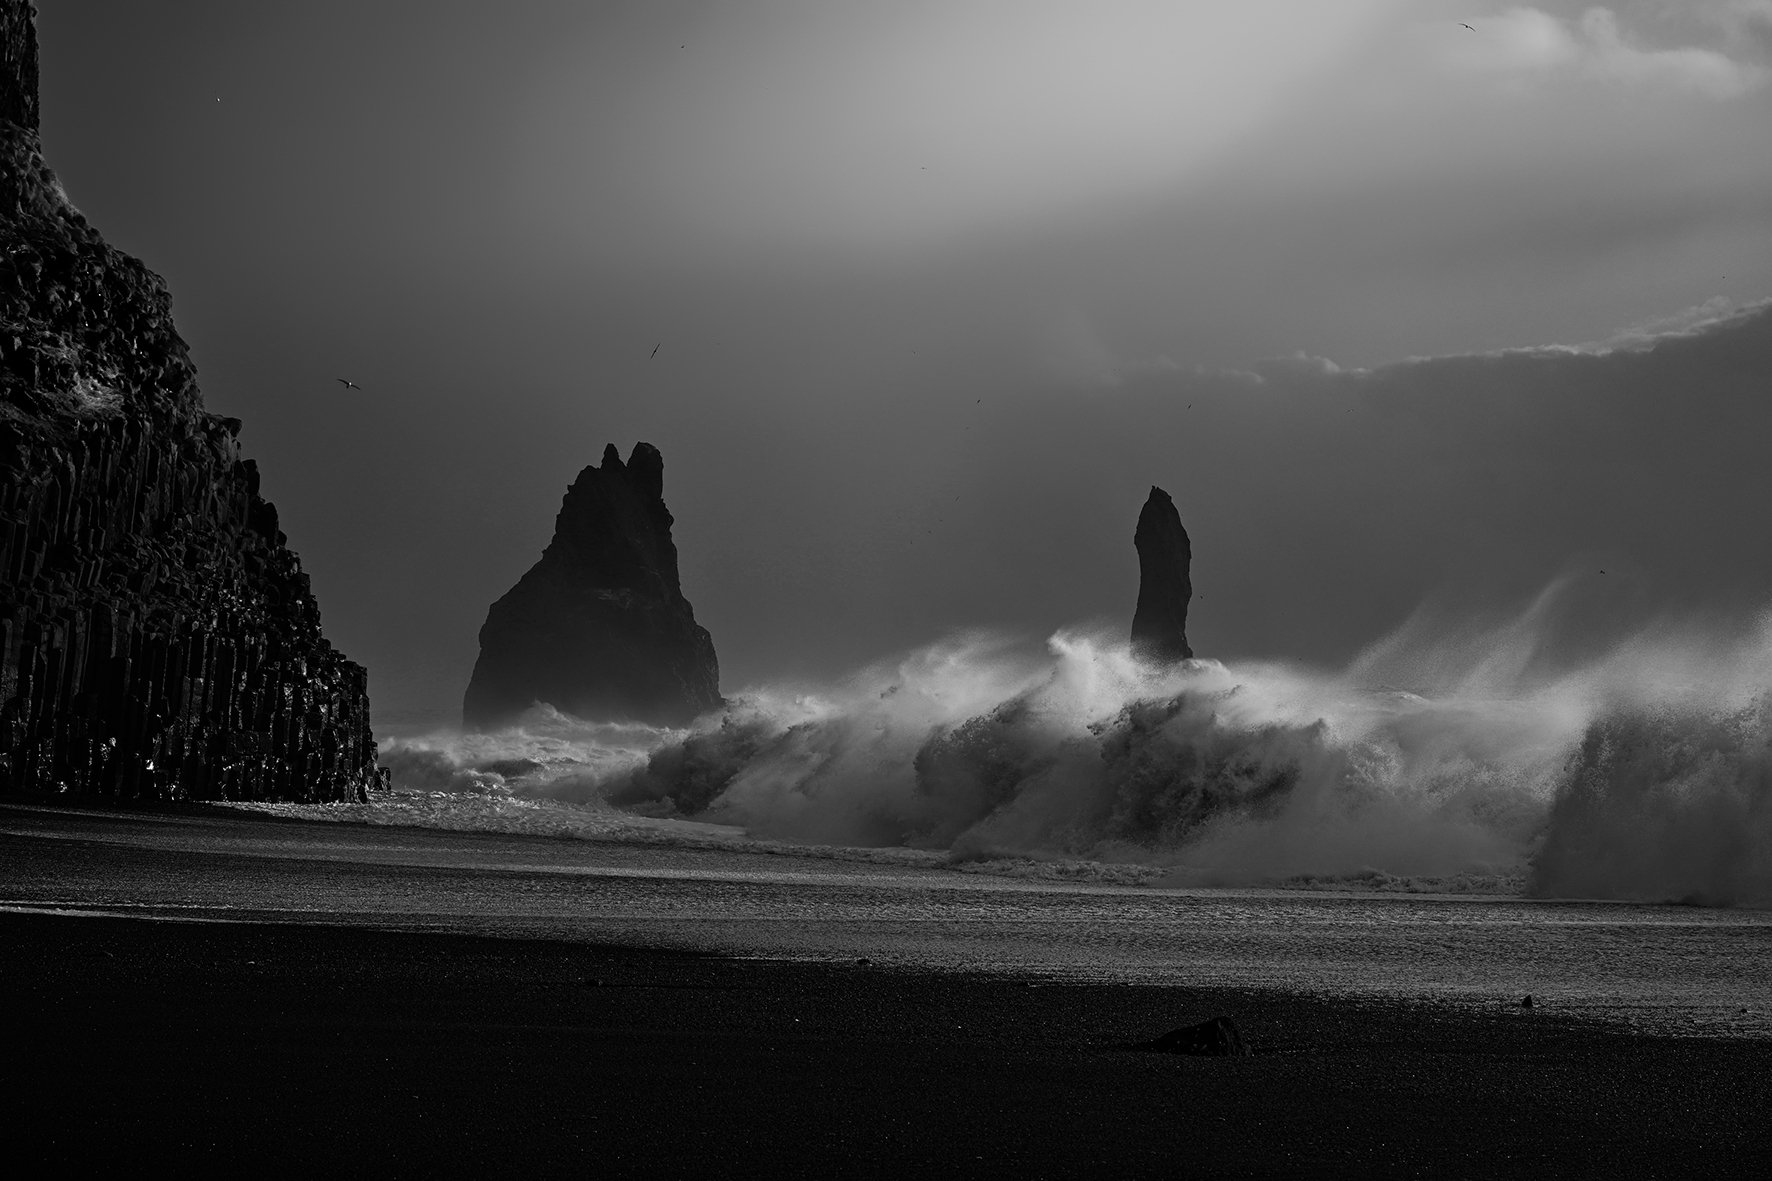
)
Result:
{"points": [[18, 65], [1159, 625], [599, 627], [1216, 1038], [157, 637]]}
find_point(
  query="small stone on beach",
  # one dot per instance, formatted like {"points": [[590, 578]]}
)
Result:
{"points": [[1218, 1037]]}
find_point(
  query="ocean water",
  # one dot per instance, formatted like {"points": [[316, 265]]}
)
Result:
{"points": [[1449, 758]]}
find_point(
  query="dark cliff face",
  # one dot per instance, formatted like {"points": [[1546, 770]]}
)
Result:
{"points": [[157, 637], [18, 65], [599, 628], [1159, 626]]}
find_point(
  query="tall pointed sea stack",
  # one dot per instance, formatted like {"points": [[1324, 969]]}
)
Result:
{"points": [[1159, 626], [599, 628], [157, 636]]}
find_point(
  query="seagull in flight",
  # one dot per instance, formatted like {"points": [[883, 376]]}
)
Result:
{"points": [[1472, 28], [655, 349], [347, 383]]}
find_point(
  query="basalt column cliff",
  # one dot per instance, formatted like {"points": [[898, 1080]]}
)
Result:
{"points": [[599, 627], [157, 637], [1159, 625]]}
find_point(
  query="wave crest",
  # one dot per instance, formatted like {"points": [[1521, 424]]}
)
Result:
{"points": [[1666, 804], [1643, 772]]}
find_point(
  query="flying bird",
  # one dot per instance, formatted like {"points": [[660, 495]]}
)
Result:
{"points": [[655, 349], [1472, 28], [347, 383]]}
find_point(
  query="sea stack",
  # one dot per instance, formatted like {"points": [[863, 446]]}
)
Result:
{"points": [[157, 637], [1159, 626], [599, 627]]}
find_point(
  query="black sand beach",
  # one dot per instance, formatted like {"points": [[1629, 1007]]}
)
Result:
{"points": [[299, 1047], [329, 1044]]}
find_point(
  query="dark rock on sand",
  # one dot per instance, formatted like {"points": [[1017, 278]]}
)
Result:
{"points": [[1159, 625], [157, 636], [1218, 1037], [599, 627]]}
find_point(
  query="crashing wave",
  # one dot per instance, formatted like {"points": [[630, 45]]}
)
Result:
{"points": [[1643, 772]]}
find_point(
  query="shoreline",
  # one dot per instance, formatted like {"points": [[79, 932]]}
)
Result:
{"points": [[1630, 962], [622, 828], [310, 1045]]}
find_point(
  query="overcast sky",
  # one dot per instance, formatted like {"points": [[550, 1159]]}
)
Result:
{"points": [[934, 286]]}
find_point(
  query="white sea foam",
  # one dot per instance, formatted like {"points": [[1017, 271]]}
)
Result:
{"points": [[1467, 758]]}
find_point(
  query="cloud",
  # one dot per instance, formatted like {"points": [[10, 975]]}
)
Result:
{"points": [[1519, 39], [1072, 352], [1609, 55], [1086, 363], [1092, 368], [856, 127], [1305, 364], [1714, 314], [1747, 23], [1523, 43], [1299, 364]]}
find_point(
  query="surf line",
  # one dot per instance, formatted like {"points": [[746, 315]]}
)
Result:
{"points": [[149, 911]]}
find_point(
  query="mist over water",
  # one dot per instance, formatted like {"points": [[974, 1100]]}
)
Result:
{"points": [[1491, 756]]}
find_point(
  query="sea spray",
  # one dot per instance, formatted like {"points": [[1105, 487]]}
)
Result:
{"points": [[838, 765], [1097, 755], [1442, 758], [546, 754], [1673, 803]]}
